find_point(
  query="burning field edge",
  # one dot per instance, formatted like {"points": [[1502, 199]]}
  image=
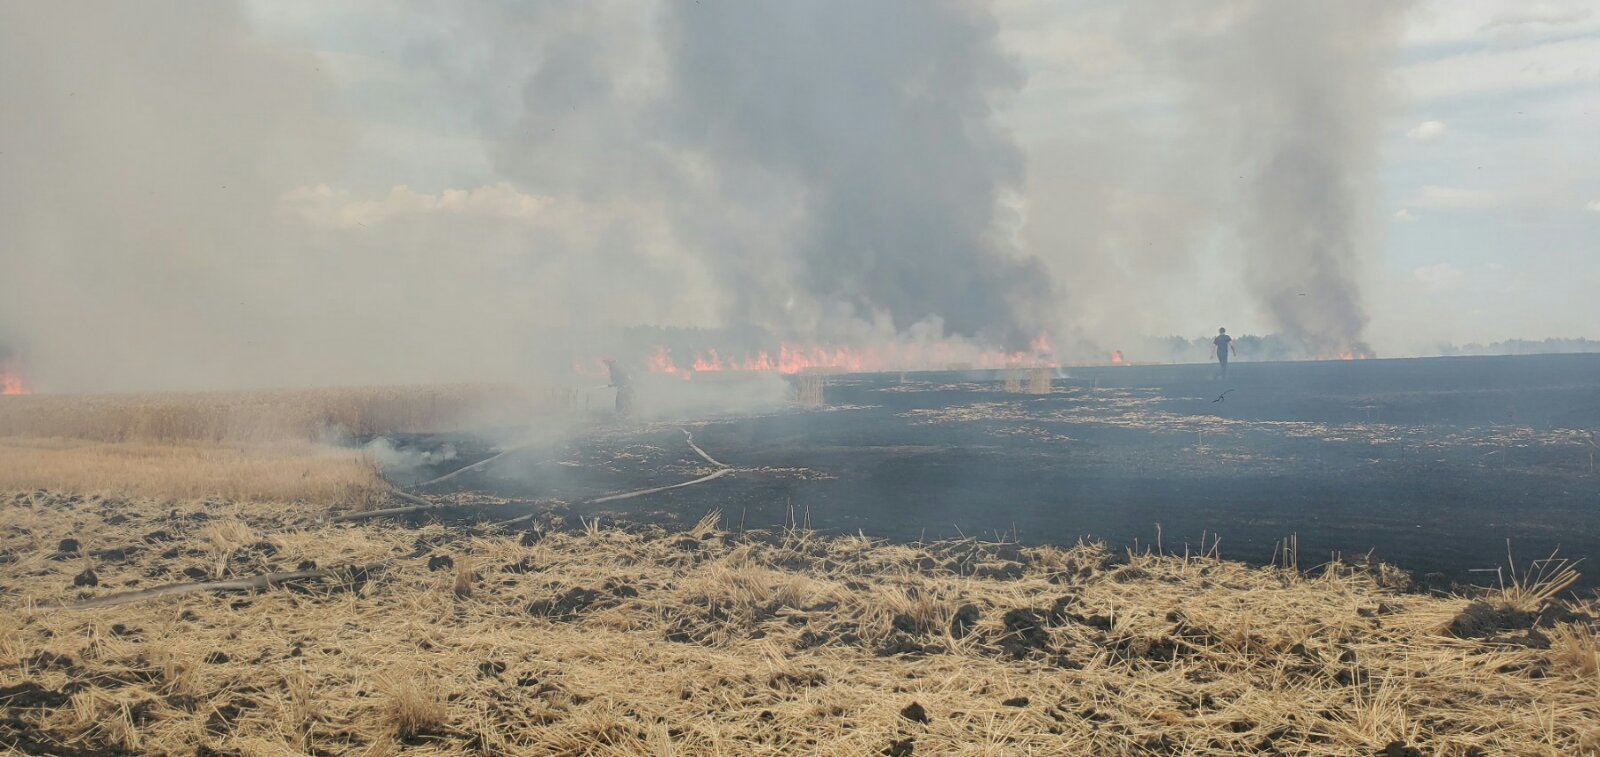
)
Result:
{"points": [[568, 635]]}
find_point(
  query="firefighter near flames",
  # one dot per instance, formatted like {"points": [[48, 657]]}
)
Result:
{"points": [[624, 386]]}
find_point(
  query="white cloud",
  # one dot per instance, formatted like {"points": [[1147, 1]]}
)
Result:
{"points": [[1593, 207], [322, 205], [1427, 131], [1404, 216], [1435, 22], [1454, 197], [1564, 62], [1540, 14], [1438, 277]]}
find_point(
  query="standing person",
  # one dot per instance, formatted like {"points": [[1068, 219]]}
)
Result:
{"points": [[1220, 347], [624, 385]]}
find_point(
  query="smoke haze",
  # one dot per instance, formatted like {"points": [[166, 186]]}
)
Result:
{"points": [[192, 201], [875, 122]]}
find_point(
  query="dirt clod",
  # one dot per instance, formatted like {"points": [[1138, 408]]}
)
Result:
{"points": [[1482, 620], [1025, 633], [31, 695], [567, 606], [965, 618], [915, 713], [1399, 749], [798, 679]]}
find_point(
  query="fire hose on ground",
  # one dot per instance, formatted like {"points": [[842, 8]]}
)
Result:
{"points": [[270, 580]]}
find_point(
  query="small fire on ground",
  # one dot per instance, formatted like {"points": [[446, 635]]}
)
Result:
{"points": [[11, 380], [793, 358]]}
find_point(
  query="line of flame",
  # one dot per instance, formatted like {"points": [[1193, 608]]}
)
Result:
{"points": [[797, 358]]}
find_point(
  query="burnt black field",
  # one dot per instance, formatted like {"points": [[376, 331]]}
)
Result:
{"points": [[1431, 464]]}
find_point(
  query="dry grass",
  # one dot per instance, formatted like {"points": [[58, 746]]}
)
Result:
{"points": [[1576, 648], [269, 446], [604, 640], [1534, 586], [270, 416], [290, 471], [414, 706]]}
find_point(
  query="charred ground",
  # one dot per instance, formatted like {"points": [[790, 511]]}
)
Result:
{"points": [[1432, 464]]}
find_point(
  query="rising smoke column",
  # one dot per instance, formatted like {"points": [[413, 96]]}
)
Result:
{"points": [[1299, 84], [876, 119]]}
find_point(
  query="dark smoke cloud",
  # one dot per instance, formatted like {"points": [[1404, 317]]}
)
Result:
{"points": [[878, 118], [1298, 90], [835, 166]]}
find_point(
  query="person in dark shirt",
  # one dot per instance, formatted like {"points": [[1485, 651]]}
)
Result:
{"points": [[1220, 347]]}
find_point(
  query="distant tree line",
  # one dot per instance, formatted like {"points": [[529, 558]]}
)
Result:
{"points": [[1523, 347], [1178, 349]]}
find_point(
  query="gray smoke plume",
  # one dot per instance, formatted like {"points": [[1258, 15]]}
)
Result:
{"points": [[1300, 87], [835, 167], [876, 120]]}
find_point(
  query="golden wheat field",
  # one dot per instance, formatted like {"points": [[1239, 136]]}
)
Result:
{"points": [[181, 584], [269, 446], [270, 416], [286, 471]]}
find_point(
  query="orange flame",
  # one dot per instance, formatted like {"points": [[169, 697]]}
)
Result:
{"points": [[661, 362], [1041, 344], [795, 358], [11, 382], [1116, 358]]}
